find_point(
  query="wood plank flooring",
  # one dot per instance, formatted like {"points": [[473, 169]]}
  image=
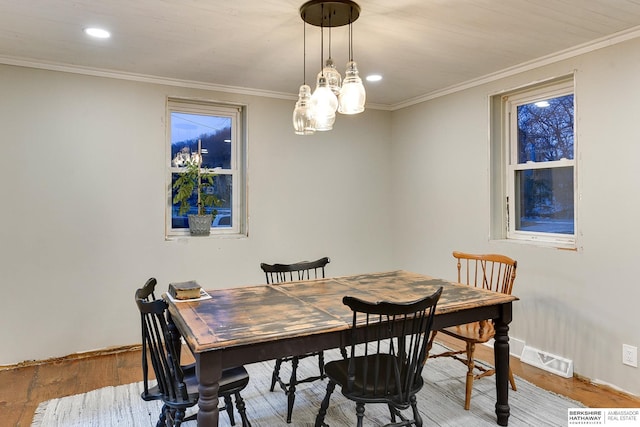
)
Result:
{"points": [[23, 388]]}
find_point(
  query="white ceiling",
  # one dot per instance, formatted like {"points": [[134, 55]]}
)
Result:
{"points": [[421, 47]]}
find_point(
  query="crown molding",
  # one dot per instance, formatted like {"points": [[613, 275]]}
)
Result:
{"points": [[144, 78], [607, 41], [601, 43]]}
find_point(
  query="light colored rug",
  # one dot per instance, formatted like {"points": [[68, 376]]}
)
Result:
{"points": [[440, 402]]}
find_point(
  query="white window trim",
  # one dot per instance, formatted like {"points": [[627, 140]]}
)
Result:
{"points": [[510, 165], [238, 165]]}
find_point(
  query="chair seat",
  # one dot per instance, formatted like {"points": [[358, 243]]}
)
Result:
{"points": [[371, 387], [473, 332], [233, 380]]}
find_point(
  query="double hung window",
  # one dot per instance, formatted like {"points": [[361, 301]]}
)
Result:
{"points": [[212, 134], [540, 166]]}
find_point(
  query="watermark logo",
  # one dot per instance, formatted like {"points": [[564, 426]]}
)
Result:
{"points": [[603, 416]]}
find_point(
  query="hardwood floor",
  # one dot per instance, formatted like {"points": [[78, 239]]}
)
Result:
{"points": [[591, 395], [23, 388]]}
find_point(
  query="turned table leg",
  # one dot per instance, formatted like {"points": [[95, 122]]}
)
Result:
{"points": [[209, 371], [501, 354]]}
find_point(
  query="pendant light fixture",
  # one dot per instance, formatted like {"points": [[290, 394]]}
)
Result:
{"points": [[303, 121], [352, 94], [334, 79], [332, 93], [324, 101]]}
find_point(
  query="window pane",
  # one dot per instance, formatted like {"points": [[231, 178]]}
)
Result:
{"points": [[214, 133], [545, 200], [223, 191], [545, 130]]}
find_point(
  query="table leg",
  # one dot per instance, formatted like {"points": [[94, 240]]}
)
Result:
{"points": [[175, 336], [501, 354], [209, 371]]}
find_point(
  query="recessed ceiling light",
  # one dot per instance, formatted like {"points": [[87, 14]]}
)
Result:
{"points": [[98, 33], [374, 78]]}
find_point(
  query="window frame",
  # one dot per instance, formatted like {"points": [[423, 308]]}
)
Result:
{"points": [[237, 168], [511, 167]]}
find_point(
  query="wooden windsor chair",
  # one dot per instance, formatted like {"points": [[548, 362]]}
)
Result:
{"points": [[495, 273]]}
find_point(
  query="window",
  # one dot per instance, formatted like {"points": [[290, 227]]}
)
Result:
{"points": [[214, 133], [539, 164]]}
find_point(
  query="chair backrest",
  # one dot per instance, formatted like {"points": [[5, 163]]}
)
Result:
{"points": [[165, 357], [146, 293], [148, 290], [387, 357], [304, 270], [493, 271]]}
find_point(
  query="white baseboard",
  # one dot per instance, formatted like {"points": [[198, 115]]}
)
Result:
{"points": [[516, 346]]}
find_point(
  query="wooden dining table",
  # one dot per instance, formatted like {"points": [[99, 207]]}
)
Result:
{"points": [[248, 324]]}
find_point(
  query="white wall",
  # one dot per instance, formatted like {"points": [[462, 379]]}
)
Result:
{"points": [[581, 305], [83, 195]]}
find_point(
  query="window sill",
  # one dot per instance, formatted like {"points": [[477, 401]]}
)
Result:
{"points": [[187, 236], [572, 247]]}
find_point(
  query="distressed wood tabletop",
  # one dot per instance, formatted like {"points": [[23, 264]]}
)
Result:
{"points": [[245, 315]]}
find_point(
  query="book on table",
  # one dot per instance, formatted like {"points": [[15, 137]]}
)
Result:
{"points": [[185, 290]]}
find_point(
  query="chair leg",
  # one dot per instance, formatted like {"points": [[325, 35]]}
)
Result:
{"points": [[229, 407], [276, 374], [470, 365], [417, 419], [291, 390], [321, 364], [343, 352], [392, 412], [162, 421], [324, 405], [512, 380], [430, 343], [360, 413], [178, 418], [242, 410]]}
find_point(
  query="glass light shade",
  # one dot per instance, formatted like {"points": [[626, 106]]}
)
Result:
{"points": [[324, 104], [352, 94], [303, 121], [334, 79]]}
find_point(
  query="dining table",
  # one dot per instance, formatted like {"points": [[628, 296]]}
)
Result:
{"points": [[247, 324]]}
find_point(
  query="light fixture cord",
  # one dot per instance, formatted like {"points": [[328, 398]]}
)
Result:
{"points": [[304, 51], [322, 39], [350, 34], [322, 49], [330, 36]]}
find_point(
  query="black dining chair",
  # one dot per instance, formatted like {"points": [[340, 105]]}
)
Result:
{"points": [[147, 293], [177, 385], [278, 273], [389, 347]]}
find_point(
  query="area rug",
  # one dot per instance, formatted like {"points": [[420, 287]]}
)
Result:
{"points": [[440, 401]]}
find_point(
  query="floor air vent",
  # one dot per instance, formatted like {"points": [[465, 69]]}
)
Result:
{"points": [[547, 361]]}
